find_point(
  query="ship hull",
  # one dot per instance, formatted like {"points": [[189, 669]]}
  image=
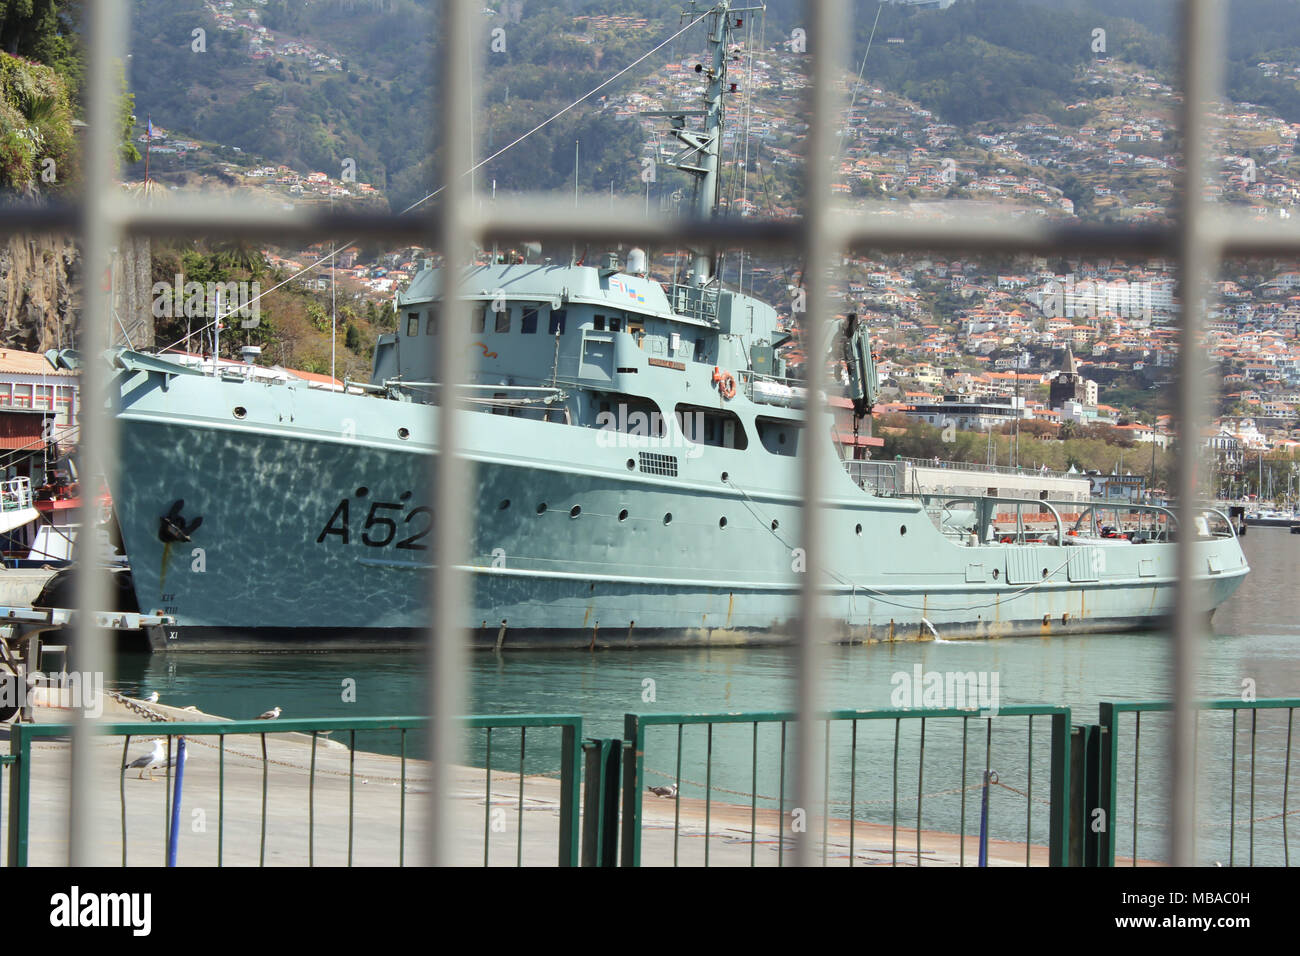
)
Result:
{"points": [[314, 536]]}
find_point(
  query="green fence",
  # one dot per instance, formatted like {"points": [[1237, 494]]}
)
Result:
{"points": [[1235, 740], [901, 787], [854, 772], [319, 774]]}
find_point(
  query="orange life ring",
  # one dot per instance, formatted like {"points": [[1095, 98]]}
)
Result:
{"points": [[726, 383]]}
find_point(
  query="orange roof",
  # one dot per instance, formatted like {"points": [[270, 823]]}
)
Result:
{"points": [[29, 363]]}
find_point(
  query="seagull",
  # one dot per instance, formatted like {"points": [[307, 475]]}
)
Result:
{"points": [[152, 698], [150, 761], [668, 791], [271, 714]]}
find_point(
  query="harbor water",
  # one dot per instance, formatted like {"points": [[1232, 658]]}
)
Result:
{"points": [[1251, 649]]}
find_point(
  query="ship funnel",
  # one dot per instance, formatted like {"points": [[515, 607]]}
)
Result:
{"points": [[636, 262]]}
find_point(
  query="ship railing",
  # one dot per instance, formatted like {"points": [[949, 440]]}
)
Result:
{"points": [[695, 302], [980, 524], [16, 494], [299, 792], [885, 479], [731, 769]]}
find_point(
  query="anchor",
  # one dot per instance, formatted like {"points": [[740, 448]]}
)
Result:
{"points": [[172, 527]]}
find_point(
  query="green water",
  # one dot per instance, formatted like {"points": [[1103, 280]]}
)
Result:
{"points": [[1254, 639]]}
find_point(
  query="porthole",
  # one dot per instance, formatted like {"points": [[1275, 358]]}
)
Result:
{"points": [[241, 411], [403, 433], [622, 515], [857, 529], [1044, 572], [541, 509], [902, 529], [722, 522], [775, 524], [668, 518], [505, 503], [575, 511], [995, 574], [631, 464], [725, 476]]}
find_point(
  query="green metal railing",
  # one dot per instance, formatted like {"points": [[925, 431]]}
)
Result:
{"points": [[570, 733], [1111, 759], [634, 776]]}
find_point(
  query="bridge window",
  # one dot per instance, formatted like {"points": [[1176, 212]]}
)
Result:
{"points": [[503, 320], [557, 322], [712, 426], [615, 324], [413, 323], [598, 324], [777, 435], [528, 322], [431, 327], [478, 319]]}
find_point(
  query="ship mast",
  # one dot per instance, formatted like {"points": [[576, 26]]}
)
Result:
{"points": [[702, 147]]}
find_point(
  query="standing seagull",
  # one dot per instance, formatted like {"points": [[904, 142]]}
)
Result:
{"points": [[152, 698], [271, 714], [668, 791], [150, 761]]}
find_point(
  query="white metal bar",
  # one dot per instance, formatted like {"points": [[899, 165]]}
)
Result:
{"points": [[98, 443], [1202, 29], [827, 31], [450, 472]]}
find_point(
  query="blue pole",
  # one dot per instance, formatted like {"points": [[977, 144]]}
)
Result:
{"points": [[174, 838], [984, 818]]}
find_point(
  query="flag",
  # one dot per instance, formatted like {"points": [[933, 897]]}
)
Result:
{"points": [[150, 127]]}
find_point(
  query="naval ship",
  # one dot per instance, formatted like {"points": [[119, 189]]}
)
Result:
{"points": [[635, 448]]}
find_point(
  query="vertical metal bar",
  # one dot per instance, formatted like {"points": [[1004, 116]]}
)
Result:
{"points": [[920, 779], [1254, 718], [633, 781], [961, 851], [780, 833], [448, 472], [1137, 745], [853, 788], [519, 844], [1286, 786], [98, 437], [753, 796], [570, 785], [827, 35], [1232, 798], [401, 809], [826, 788], [311, 805], [20, 795], [261, 852], [121, 786], [487, 799], [221, 796], [988, 757], [894, 813], [1029, 801], [1059, 815], [1202, 31], [167, 802], [677, 806], [708, 790], [352, 788]]}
